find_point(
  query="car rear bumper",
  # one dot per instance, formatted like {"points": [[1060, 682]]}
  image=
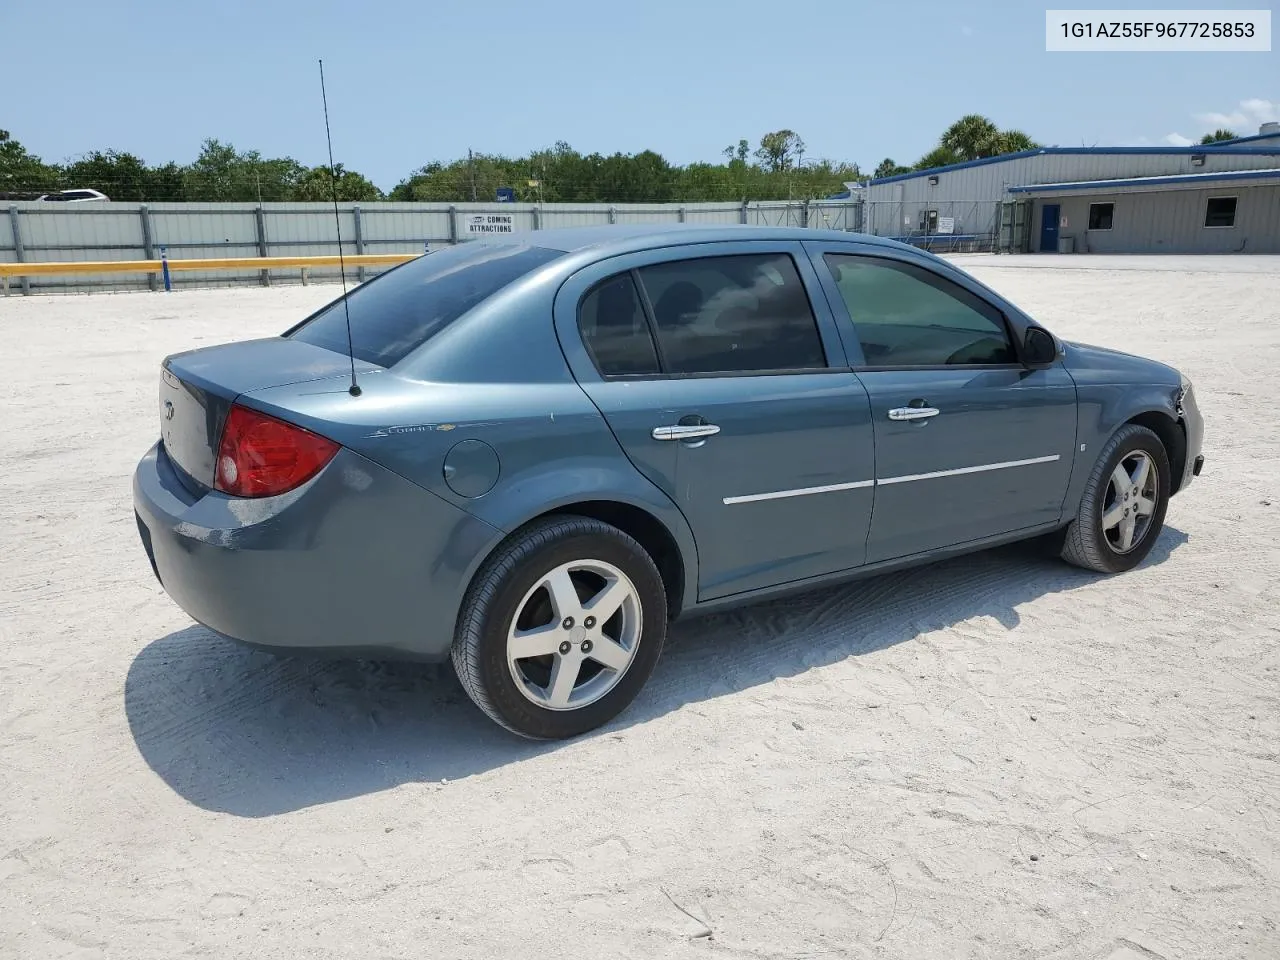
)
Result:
{"points": [[358, 561]]}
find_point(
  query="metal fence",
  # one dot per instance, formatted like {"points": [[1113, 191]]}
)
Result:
{"points": [[942, 226], [42, 231], [34, 231]]}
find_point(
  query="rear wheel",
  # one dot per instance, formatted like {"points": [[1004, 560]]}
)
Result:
{"points": [[561, 628], [1123, 507]]}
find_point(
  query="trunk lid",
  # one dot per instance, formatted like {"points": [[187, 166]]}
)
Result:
{"points": [[198, 388]]}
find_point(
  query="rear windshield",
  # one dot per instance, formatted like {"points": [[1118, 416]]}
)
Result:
{"points": [[397, 312]]}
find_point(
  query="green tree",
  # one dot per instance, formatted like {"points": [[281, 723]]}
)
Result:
{"points": [[22, 171], [121, 176], [562, 174], [971, 137], [1218, 136], [167, 183], [212, 177], [220, 173], [779, 150], [888, 168], [317, 184], [1013, 141], [739, 151], [974, 137], [940, 156]]}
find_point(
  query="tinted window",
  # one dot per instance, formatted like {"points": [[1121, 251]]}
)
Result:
{"points": [[1100, 215], [733, 315], [615, 330], [400, 310], [907, 316], [1220, 212]]}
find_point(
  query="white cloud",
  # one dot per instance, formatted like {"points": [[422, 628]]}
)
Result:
{"points": [[1223, 119], [1178, 140], [1263, 110], [1244, 120]]}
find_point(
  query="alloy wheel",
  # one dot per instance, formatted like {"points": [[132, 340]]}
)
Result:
{"points": [[1130, 502], [574, 635]]}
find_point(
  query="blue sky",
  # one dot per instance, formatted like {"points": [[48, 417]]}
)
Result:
{"points": [[413, 81]]}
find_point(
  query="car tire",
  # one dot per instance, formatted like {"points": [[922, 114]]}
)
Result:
{"points": [[1115, 527], [528, 650]]}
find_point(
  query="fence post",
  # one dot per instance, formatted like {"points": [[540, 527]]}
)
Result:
{"points": [[19, 253], [148, 247], [453, 224], [804, 214], [613, 215], [680, 215], [164, 269], [355, 211], [537, 218], [264, 276], [744, 211]]}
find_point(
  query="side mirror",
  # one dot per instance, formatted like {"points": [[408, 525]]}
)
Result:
{"points": [[1039, 348]]}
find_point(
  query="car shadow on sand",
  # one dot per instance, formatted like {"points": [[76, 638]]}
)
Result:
{"points": [[252, 734]]}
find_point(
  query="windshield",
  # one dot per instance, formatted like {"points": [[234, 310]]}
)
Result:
{"points": [[397, 312]]}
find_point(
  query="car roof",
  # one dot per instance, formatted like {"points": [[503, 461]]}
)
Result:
{"points": [[628, 237]]}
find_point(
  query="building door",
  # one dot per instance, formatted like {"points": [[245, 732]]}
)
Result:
{"points": [[1049, 228]]}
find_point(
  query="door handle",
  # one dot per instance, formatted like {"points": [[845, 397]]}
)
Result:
{"points": [[913, 413], [682, 431]]}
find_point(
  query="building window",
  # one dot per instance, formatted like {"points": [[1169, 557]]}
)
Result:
{"points": [[1220, 212], [1100, 215]]}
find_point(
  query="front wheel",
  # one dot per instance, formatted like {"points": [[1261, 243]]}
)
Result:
{"points": [[561, 628], [1123, 507]]}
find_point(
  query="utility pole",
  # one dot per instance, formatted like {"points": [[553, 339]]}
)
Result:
{"points": [[471, 164]]}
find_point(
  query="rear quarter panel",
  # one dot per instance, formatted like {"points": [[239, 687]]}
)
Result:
{"points": [[551, 445]]}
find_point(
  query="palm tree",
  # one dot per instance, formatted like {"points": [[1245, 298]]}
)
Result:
{"points": [[888, 168], [938, 157], [971, 137], [1014, 141], [1218, 136]]}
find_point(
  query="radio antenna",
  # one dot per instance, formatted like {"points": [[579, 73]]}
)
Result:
{"points": [[354, 389]]}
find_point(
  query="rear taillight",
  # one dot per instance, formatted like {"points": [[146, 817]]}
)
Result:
{"points": [[260, 456]]}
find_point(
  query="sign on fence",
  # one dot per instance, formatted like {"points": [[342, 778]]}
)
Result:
{"points": [[489, 223], [946, 224]]}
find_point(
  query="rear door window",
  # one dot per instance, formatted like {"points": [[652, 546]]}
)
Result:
{"points": [[733, 314], [395, 313], [615, 330]]}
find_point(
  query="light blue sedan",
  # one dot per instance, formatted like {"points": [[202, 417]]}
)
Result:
{"points": [[531, 453]]}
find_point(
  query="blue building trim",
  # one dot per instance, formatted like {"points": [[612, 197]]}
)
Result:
{"points": [[1148, 181], [1085, 151]]}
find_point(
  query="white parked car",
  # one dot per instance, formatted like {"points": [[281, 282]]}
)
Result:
{"points": [[75, 196]]}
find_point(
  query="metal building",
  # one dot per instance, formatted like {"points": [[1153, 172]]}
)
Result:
{"points": [[1218, 198]]}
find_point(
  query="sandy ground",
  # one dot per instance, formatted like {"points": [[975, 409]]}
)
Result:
{"points": [[996, 757]]}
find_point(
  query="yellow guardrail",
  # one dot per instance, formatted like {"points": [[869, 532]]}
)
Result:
{"points": [[62, 268]]}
